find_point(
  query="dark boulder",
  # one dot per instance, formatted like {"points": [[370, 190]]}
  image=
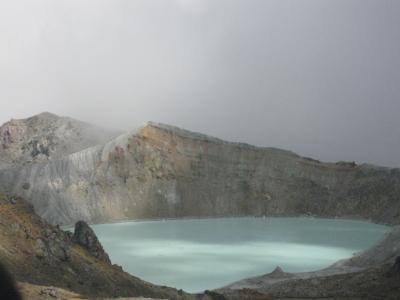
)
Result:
{"points": [[85, 236]]}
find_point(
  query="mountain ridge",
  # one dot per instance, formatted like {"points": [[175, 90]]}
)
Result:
{"points": [[162, 171]]}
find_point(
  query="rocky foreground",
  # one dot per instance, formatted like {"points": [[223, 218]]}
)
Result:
{"points": [[40, 254]]}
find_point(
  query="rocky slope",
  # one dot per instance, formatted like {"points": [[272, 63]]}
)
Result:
{"points": [[37, 253], [370, 274], [161, 171], [39, 292], [376, 283]]}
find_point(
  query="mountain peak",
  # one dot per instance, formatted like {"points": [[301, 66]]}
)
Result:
{"points": [[47, 114], [46, 136]]}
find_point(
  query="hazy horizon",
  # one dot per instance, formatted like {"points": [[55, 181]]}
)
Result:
{"points": [[320, 78]]}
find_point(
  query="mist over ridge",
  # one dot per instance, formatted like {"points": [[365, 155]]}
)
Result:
{"points": [[319, 78]]}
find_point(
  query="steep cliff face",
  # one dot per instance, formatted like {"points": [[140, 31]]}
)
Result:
{"points": [[161, 171]]}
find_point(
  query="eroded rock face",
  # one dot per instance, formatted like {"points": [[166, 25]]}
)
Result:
{"points": [[85, 236], [161, 171]]}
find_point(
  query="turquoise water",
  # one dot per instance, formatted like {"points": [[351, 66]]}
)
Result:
{"points": [[200, 254]]}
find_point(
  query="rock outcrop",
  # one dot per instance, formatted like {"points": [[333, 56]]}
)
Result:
{"points": [[47, 136], [160, 171], [85, 236]]}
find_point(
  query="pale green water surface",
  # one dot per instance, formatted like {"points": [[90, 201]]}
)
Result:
{"points": [[200, 254]]}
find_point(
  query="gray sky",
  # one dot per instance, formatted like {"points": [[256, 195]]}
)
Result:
{"points": [[319, 77]]}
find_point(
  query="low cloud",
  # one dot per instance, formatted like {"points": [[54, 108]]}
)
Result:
{"points": [[320, 78]]}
